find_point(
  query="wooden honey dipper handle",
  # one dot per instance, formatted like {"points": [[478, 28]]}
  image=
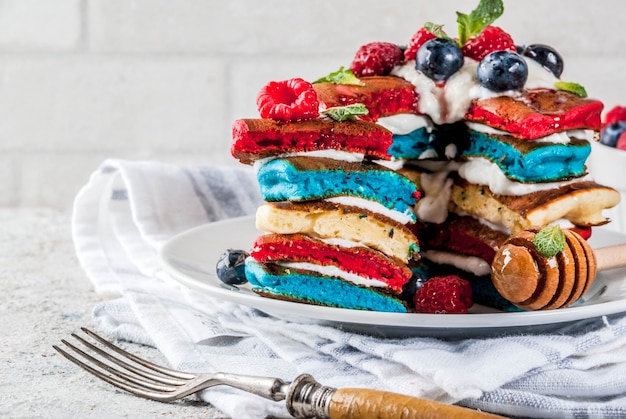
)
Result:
{"points": [[611, 257]]}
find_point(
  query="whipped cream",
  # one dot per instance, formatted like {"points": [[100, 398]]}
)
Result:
{"points": [[374, 207], [393, 164], [449, 102], [405, 123], [582, 134], [473, 264], [485, 129], [433, 206], [332, 270], [335, 241], [556, 138], [539, 77], [481, 171], [329, 154], [563, 137]]}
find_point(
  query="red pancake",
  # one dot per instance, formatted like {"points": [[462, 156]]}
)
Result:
{"points": [[463, 235], [537, 113], [259, 138], [359, 260], [381, 95]]}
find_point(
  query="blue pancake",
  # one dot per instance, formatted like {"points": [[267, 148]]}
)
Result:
{"points": [[530, 161], [523, 161], [309, 287], [413, 145], [312, 178], [433, 143]]}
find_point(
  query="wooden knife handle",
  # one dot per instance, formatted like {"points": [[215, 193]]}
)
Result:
{"points": [[350, 403]]}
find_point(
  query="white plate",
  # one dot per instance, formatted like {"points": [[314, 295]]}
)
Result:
{"points": [[190, 258]]}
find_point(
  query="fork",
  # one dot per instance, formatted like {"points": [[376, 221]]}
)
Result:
{"points": [[304, 397]]}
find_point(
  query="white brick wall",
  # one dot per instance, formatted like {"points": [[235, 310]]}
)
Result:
{"points": [[86, 80]]}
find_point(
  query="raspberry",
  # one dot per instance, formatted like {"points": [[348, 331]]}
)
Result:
{"points": [[491, 39], [444, 294], [419, 38], [616, 114], [621, 141], [376, 59], [288, 100], [584, 232]]}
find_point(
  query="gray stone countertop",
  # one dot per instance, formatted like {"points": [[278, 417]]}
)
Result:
{"points": [[44, 297]]}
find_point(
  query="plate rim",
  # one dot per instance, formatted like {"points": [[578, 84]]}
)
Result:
{"points": [[169, 262]]}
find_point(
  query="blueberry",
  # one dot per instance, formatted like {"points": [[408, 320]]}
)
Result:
{"points": [[230, 267], [546, 56], [611, 133], [420, 276], [501, 71], [439, 58]]}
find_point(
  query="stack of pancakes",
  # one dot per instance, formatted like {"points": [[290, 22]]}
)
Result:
{"points": [[339, 216], [510, 162], [343, 205]]}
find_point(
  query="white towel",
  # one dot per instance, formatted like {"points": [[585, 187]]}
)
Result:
{"points": [[128, 210]]}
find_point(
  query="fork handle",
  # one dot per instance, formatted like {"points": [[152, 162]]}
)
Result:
{"points": [[348, 403], [307, 398]]}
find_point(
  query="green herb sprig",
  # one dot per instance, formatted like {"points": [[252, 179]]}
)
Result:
{"points": [[436, 30], [484, 15], [571, 87], [549, 241], [343, 113], [473, 24], [341, 76]]}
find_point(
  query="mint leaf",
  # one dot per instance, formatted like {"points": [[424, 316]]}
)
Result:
{"points": [[549, 241], [571, 87], [343, 113], [485, 14], [341, 76], [436, 30]]}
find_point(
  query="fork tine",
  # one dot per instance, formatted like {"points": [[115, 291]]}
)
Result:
{"points": [[111, 379], [141, 361], [139, 380], [150, 375]]}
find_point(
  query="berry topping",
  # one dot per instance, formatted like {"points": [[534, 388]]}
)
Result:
{"points": [[288, 100], [418, 279], [376, 59], [491, 39], [501, 71], [618, 113], [230, 267], [612, 132], [546, 56], [583, 231], [420, 38], [444, 294], [439, 59]]}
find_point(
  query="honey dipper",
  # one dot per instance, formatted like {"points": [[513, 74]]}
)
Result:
{"points": [[535, 282]]}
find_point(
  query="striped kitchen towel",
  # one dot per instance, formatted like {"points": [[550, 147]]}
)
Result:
{"points": [[129, 210]]}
